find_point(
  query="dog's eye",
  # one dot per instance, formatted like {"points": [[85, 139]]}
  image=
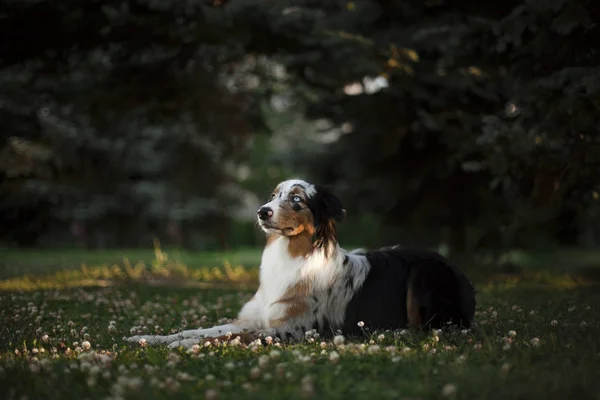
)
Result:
{"points": [[296, 199], [272, 196]]}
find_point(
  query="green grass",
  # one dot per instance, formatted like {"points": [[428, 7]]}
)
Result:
{"points": [[544, 360], [15, 262]]}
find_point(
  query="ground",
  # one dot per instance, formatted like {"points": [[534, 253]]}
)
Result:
{"points": [[62, 337]]}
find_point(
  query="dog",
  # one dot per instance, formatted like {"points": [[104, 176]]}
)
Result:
{"points": [[307, 281]]}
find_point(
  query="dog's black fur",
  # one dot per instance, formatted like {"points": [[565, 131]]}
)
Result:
{"points": [[441, 294]]}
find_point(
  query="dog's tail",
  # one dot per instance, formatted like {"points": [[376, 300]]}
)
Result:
{"points": [[439, 296]]}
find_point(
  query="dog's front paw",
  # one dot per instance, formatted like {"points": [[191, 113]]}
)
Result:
{"points": [[185, 343], [133, 339]]}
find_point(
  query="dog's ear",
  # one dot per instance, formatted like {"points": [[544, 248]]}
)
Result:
{"points": [[326, 206]]}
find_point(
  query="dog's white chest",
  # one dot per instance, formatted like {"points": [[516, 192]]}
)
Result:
{"points": [[278, 270]]}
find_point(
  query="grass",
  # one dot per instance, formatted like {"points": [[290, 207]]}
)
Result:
{"points": [[15, 262], [535, 339]]}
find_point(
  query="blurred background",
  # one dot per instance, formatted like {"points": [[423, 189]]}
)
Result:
{"points": [[464, 125]]}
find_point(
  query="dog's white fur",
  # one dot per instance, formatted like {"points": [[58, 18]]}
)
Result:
{"points": [[325, 270]]}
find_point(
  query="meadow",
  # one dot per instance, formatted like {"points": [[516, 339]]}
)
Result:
{"points": [[62, 327]]}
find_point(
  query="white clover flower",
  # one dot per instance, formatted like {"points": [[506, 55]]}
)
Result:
{"points": [[304, 358], [263, 361], [104, 359], [535, 342], [449, 390], [334, 357], [381, 337], [374, 349], [45, 338], [512, 333], [143, 342], [554, 322], [135, 383], [255, 373], [174, 357], [247, 386], [361, 324], [211, 394], [338, 340], [230, 365], [194, 349], [184, 376], [308, 389], [275, 354], [86, 345]]}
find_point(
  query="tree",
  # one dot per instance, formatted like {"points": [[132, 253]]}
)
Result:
{"points": [[128, 105], [483, 129]]}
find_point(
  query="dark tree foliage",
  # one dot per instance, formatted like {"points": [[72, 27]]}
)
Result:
{"points": [[487, 135], [116, 119], [473, 123]]}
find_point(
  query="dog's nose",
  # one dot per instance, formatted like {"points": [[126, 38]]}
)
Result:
{"points": [[265, 213]]}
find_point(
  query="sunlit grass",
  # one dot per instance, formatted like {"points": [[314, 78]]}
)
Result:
{"points": [[15, 262], [162, 269]]}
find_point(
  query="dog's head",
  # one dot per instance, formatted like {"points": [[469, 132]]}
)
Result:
{"points": [[296, 207]]}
